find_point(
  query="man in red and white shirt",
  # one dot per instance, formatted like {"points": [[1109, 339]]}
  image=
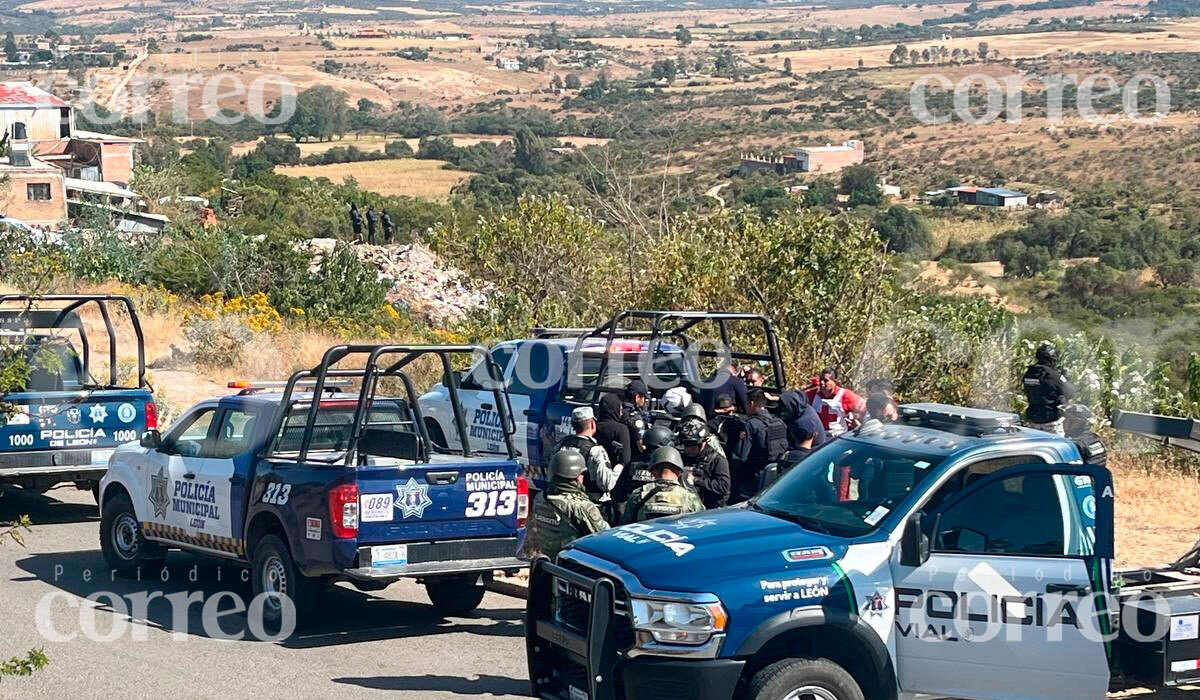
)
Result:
{"points": [[839, 408]]}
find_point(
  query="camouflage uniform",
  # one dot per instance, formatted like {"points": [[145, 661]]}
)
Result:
{"points": [[561, 516], [659, 499]]}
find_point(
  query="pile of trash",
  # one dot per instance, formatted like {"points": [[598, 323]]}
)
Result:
{"points": [[417, 278]]}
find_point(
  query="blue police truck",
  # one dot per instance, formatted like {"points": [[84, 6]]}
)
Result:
{"points": [[953, 554], [313, 484], [557, 369], [62, 423]]}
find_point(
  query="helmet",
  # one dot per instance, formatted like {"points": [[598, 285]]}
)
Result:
{"points": [[693, 410], [692, 432], [667, 457], [567, 463], [1047, 354], [658, 436]]}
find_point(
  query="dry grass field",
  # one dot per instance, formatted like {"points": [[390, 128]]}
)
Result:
{"points": [[428, 179]]}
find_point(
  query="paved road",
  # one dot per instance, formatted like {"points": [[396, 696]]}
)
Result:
{"points": [[389, 644]]}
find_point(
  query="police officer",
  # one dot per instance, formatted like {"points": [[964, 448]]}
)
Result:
{"points": [[667, 495], [633, 411], [601, 477], [1077, 424], [768, 441], [694, 413], [709, 468], [1047, 389], [563, 513]]}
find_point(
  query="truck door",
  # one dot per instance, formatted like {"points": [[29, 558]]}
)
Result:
{"points": [[478, 403], [172, 468], [1005, 605], [220, 479], [536, 373]]}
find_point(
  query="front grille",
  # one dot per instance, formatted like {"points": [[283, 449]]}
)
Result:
{"points": [[462, 550], [574, 613]]}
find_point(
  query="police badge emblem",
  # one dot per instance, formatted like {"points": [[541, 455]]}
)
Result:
{"points": [[158, 493], [412, 499], [74, 415]]}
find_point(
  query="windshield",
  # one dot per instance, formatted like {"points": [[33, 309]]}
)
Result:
{"points": [[846, 487]]}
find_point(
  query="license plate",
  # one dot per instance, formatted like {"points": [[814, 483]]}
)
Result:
{"points": [[389, 554], [577, 694], [101, 456]]}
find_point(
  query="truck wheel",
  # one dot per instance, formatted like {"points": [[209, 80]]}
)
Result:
{"points": [[272, 570], [455, 595], [803, 679], [435, 433], [125, 550]]}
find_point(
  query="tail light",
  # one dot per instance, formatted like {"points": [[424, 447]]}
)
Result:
{"points": [[522, 501], [151, 415], [343, 511]]}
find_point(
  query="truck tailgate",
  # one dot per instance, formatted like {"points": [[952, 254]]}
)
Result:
{"points": [[438, 501], [70, 427]]}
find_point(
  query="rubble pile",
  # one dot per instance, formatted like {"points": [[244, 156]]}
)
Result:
{"points": [[417, 278]]}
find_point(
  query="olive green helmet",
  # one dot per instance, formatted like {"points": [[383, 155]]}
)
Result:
{"points": [[693, 410], [567, 464], [658, 436], [667, 457]]}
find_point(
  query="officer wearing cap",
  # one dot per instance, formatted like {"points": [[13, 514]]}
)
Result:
{"points": [[601, 477], [1046, 389], [634, 404], [1077, 424], [667, 495], [709, 468], [563, 513]]}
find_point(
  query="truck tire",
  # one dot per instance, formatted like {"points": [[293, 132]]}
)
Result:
{"points": [[435, 433], [803, 679], [272, 570], [455, 595], [125, 550]]}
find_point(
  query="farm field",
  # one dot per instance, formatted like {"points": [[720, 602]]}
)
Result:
{"points": [[428, 179]]}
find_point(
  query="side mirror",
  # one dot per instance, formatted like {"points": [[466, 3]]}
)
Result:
{"points": [[151, 439], [770, 474], [914, 545]]}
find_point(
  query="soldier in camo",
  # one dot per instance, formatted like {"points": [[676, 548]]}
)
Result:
{"points": [[666, 495], [564, 513]]}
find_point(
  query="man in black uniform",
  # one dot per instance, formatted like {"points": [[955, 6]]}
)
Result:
{"points": [[611, 432], [638, 473], [1077, 424], [633, 412], [389, 228], [356, 222], [372, 222], [1047, 389], [709, 468], [768, 439]]}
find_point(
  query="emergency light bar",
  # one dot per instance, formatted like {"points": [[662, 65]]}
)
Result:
{"points": [[959, 419], [248, 387]]}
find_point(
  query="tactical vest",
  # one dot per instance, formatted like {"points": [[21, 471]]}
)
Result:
{"points": [[1091, 448], [583, 445], [663, 499], [554, 526], [777, 440], [1044, 399]]}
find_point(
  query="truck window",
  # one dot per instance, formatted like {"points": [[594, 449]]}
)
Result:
{"points": [[667, 368], [531, 372], [1031, 514], [331, 433], [473, 379], [191, 438], [235, 434], [847, 487]]}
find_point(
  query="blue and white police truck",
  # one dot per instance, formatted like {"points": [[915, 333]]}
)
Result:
{"points": [[953, 554], [63, 423], [313, 484], [549, 375]]}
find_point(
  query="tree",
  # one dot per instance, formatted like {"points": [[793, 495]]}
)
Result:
{"points": [[821, 192], [321, 113], [683, 35], [914, 57], [903, 231], [984, 51], [10, 48], [530, 152], [861, 182], [861, 63], [573, 81], [664, 70], [556, 83], [899, 55], [787, 65]]}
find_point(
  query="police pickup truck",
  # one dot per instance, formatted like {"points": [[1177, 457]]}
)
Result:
{"points": [[311, 487], [61, 424], [547, 376], [953, 554]]}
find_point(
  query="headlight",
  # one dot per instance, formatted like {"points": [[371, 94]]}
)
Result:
{"points": [[678, 623]]}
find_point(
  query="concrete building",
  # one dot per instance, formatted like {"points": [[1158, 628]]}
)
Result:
{"points": [[33, 192], [810, 159]]}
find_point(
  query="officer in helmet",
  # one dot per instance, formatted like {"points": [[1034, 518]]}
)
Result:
{"points": [[638, 474], [709, 468], [667, 495], [1077, 424], [563, 513], [1047, 390], [694, 413]]}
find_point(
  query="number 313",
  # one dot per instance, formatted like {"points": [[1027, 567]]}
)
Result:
{"points": [[490, 503]]}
